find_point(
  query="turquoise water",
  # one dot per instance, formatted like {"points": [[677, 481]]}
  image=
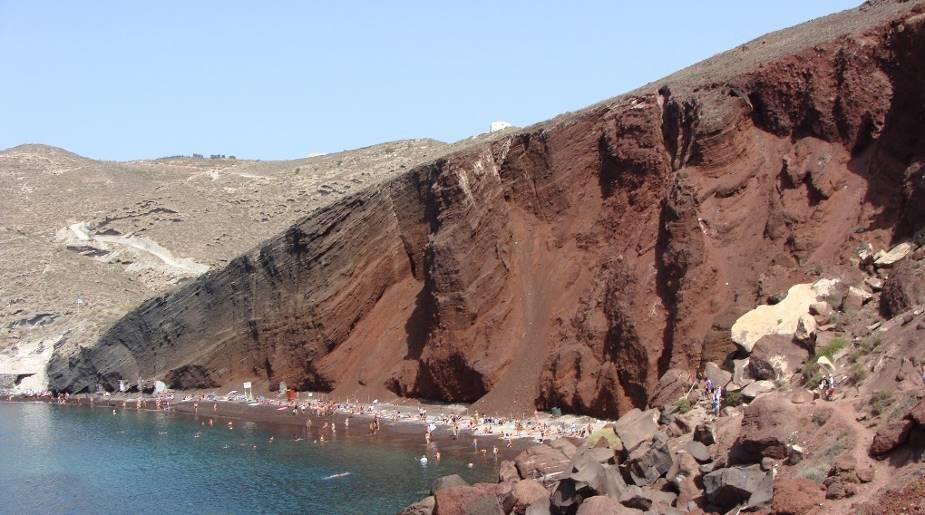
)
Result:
{"points": [[56, 459]]}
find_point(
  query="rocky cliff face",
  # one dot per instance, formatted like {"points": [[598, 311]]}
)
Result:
{"points": [[573, 263]]}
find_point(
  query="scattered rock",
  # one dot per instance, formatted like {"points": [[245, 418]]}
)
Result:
{"points": [[672, 386], [646, 499], [526, 493], [568, 448], [806, 329], [767, 426], [890, 437], [757, 388], [734, 486], [875, 283], [896, 254], [904, 288], [507, 471], [423, 507], [542, 462], [478, 499], [699, 451], [855, 300], [705, 434], [767, 463], [447, 482], [785, 355], [801, 396], [603, 505], [821, 311], [719, 376], [636, 427], [646, 466], [540, 507], [759, 368], [865, 474]]}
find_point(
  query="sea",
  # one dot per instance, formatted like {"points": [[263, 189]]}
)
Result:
{"points": [[69, 459]]}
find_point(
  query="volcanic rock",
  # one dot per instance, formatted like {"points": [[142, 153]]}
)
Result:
{"points": [[447, 482], [767, 425], [739, 486], [636, 427], [527, 492], [904, 288], [542, 462], [478, 499]]}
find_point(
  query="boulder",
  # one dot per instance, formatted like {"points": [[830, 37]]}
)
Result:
{"points": [[699, 451], [568, 448], [740, 373], [855, 300], [821, 311], [837, 488], [636, 427], [540, 507], [587, 471], [673, 385], [874, 283], [686, 422], [801, 396], [767, 425], [806, 329], [761, 369], [565, 497], [782, 317], [705, 434], [757, 388], [889, 437], [526, 493], [796, 496], [904, 288], [478, 499], [895, 255], [646, 466], [719, 376], [446, 482], [604, 437], [785, 355], [603, 505], [423, 507], [542, 462], [507, 471], [646, 499], [917, 413], [738, 487]]}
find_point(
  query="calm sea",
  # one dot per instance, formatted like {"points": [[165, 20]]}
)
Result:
{"points": [[56, 459]]}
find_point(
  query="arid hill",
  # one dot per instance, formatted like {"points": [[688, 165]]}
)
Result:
{"points": [[115, 234], [574, 262]]}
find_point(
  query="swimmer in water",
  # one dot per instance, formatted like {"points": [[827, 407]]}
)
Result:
{"points": [[113, 411], [423, 460]]}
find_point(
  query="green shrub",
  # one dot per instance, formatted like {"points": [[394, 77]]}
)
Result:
{"points": [[832, 348], [683, 404]]}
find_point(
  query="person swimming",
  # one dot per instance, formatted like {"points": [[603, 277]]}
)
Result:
{"points": [[423, 460]]}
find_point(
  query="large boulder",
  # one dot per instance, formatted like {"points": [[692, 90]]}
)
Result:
{"points": [[757, 388], [672, 386], [646, 466], [705, 433], [855, 300], [767, 425], [895, 255], [446, 482], [543, 463], [761, 369], [526, 493], [806, 330], [507, 471], [478, 499], [738, 487], [636, 427], [699, 451], [565, 446], [714, 373], [904, 288], [782, 353], [889, 437], [779, 318]]}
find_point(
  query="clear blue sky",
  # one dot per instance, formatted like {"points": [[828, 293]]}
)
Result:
{"points": [[274, 80]]}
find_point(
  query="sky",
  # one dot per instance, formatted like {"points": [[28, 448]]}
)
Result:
{"points": [[281, 80]]}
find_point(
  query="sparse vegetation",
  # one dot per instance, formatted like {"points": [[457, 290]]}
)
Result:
{"points": [[816, 473], [734, 398], [901, 407], [832, 348], [821, 417], [683, 404], [857, 373], [880, 402], [812, 375]]}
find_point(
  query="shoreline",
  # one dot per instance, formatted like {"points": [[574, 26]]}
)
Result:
{"points": [[399, 425]]}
